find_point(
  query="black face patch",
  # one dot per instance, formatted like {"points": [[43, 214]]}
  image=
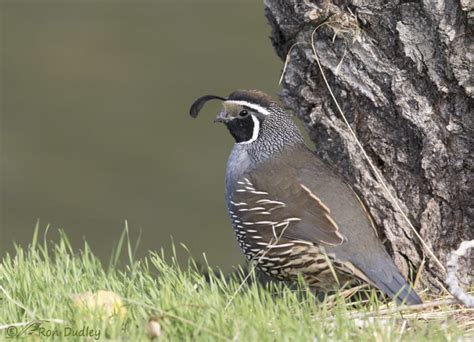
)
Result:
{"points": [[241, 128]]}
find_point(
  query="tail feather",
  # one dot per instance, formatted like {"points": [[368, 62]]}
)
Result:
{"points": [[387, 278], [397, 288]]}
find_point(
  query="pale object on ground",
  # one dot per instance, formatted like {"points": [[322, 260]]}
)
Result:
{"points": [[107, 302], [153, 328], [452, 280]]}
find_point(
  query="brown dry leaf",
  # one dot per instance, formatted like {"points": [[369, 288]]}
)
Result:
{"points": [[107, 302]]}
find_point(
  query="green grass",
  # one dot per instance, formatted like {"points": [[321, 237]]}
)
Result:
{"points": [[38, 283]]}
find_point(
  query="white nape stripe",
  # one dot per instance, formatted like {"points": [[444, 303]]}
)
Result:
{"points": [[254, 106], [256, 129]]}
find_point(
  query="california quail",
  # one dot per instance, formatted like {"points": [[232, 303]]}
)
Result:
{"points": [[292, 214]]}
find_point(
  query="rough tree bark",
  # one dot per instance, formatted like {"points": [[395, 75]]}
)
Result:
{"points": [[401, 73]]}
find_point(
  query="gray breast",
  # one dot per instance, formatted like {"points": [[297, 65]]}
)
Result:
{"points": [[238, 163]]}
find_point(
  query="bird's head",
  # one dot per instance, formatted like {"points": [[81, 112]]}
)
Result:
{"points": [[249, 114]]}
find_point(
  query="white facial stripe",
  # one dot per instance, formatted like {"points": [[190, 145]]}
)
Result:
{"points": [[254, 106], [256, 129]]}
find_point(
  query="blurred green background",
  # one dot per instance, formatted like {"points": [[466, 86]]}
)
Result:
{"points": [[94, 119]]}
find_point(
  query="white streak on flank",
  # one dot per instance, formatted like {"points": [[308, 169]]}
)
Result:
{"points": [[251, 230], [241, 190], [254, 106], [266, 222], [250, 188], [289, 251], [256, 130], [241, 183], [257, 237], [252, 209], [237, 204], [270, 259], [259, 192], [267, 201], [263, 244], [290, 219], [282, 245], [248, 223], [302, 242]]}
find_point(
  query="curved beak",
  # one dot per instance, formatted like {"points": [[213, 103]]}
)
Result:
{"points": [[221, 117]]}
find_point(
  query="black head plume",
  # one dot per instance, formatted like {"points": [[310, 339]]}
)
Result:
{"points": [[200, 102]]}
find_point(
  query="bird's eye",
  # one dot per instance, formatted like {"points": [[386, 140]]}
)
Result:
{"points": [[243, 113]]}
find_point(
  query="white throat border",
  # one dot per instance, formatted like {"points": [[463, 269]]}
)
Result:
{"points": [[256, 130]]}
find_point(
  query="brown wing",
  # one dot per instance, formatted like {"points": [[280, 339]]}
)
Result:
{"points": [[279, 206]]}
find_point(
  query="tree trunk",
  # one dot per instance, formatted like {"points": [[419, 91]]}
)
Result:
{"points": [[401, 73]]}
